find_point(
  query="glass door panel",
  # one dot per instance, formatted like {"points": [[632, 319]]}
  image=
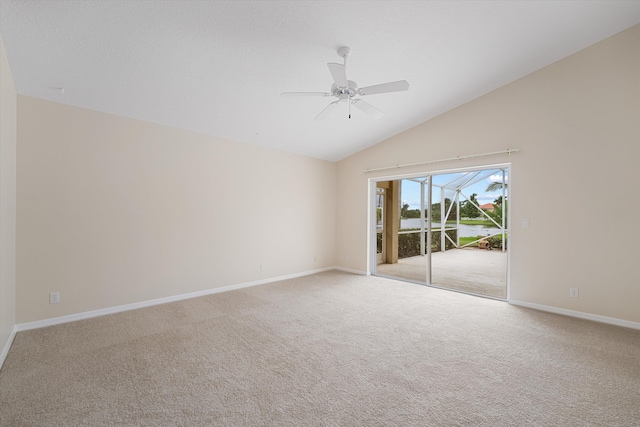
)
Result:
{"points": [[452, 233]]}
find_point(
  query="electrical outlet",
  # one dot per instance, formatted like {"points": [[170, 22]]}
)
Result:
{"points": [[54, 297], [525, 222], [573, 292], [261, 267]]}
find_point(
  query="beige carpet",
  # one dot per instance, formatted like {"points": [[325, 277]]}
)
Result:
{"points": [[333, 349]]}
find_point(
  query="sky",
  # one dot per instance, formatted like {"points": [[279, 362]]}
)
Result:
{"points": [[410, 192]]}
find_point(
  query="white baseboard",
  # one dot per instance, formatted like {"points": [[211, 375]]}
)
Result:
{"points": [[7, 346], [112, 310], [350, 270], [578, 314]]}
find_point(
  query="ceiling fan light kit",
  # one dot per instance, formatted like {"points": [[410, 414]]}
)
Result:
{"points": [[347, 90]]}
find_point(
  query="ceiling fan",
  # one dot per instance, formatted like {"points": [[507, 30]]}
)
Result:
{"points": [[347, 90]]}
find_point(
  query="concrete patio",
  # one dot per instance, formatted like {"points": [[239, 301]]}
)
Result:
{"points": [[472, 270]]}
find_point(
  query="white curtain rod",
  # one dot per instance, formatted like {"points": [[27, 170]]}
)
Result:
{"points": [[508, 151]]}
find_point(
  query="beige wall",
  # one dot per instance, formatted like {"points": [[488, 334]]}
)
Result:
{"points": [[114, 211], [577, 124], [7, 200]]}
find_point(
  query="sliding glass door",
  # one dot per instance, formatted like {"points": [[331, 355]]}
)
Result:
{"points": [[447, 229]]}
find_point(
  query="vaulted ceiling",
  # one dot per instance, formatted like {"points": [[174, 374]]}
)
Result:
{"points": [[218, 67]]}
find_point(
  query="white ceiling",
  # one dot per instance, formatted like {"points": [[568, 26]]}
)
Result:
{"points": [[218, 67]]}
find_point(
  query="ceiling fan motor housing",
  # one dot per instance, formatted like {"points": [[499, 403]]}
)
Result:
{"points": [[345, 92]]}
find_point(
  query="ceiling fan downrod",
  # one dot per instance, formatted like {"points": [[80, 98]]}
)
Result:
{"points": [[344, 53]]}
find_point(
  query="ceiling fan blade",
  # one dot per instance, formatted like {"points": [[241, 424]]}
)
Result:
{"points": [[329, 108], [339, 74], [305, 94], [367, 108], [398, 86]]}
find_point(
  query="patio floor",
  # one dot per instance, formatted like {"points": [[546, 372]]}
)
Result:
{"points": [[472, 270]]}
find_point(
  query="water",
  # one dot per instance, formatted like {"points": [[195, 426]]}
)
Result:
{"points": [[463, 230]]}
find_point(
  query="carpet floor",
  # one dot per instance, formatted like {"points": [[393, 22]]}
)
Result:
{"points": [[331, 349]]}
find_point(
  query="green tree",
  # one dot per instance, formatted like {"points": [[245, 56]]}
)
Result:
{"points": [[498, 204], [467, 208], [403, 210], [498, 211], [413, 213], [494, 186], [435, 210]]}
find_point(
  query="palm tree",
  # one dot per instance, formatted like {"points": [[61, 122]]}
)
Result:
{"points": [[496, 186]]}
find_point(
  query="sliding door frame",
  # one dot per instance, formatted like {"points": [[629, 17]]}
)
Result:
{"points": [[371, 236]]}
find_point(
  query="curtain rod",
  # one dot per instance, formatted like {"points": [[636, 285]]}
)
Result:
{"points": [[508, 151]]}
